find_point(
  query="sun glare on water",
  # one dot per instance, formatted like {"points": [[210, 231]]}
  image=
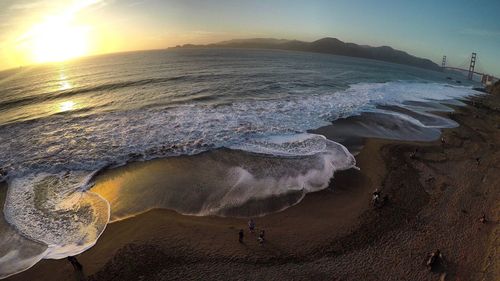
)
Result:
{"points": [[66, 106]]}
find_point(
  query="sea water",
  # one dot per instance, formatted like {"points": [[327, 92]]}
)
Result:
{"points": [[60, 124]]}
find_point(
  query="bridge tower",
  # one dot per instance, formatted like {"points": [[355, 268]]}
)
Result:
{"points": [[443, 63], [471, 66]]}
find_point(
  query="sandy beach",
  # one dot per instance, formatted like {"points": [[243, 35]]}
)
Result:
{"points": [[437, 191], [249, 140]]}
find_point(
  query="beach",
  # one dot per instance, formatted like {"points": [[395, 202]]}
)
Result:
{"points": [[235, 140], [437, 191]]}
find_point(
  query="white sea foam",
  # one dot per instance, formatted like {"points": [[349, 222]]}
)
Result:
{"points": [[322, 156], [54, 210], [284, 145], [47, 205], [17, 253], [421, 119], [264, 176], [116, 137], [147, 105]]}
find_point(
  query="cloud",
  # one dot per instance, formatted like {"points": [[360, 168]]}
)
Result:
{"points": [[29, 5], [37, 4]]}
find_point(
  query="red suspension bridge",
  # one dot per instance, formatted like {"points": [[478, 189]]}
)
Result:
{"points": [[472, 63]]}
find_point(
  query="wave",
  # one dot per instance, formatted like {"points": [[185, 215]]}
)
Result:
{"points": [[230, 182], [118, 137], [82, 90], [17, 253], [59, 216], [52, 216], [267, 164], [421, 118], [55, 209]]}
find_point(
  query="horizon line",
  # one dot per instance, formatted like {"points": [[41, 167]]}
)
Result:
{"points": [[205, 44]]}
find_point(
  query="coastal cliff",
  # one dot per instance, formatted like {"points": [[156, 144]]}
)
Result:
{"points": [[327, 45]]}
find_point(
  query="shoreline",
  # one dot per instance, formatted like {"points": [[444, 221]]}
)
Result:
{"points": [[331, 234]]}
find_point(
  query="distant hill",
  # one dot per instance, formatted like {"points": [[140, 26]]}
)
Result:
{"points": [[327, 46]]}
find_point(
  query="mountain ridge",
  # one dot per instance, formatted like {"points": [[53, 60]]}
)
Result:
{"points": [[327, 45]]}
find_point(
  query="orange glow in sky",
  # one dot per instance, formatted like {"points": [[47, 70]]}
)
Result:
{"points": [[56, 40], [41, 31], [57, 37], [55, 31]]}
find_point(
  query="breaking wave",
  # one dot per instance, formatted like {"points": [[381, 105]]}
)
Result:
{"points": [[55, 209], [232, 182], [256, 160]]}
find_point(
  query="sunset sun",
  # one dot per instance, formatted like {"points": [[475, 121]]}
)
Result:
{"points": [[57, 40], [249, 140]]}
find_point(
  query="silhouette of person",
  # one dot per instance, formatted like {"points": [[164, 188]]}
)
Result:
{"points": [[74, 262], [241, 235], [251, 225], [434, 259], [261, 236]]}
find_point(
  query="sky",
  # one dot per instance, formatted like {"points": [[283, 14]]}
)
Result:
{"points": [[34, 31]]}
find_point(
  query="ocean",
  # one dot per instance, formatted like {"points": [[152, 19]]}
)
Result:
{"points": [[238, 125]]}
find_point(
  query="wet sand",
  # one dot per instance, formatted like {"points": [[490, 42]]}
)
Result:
{"points": [[435, 200]]}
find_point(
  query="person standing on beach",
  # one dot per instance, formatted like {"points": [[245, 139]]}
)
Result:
{"points": [[251, 226], [376, 197], [434, 259], [261, 237], [241, 235]]}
